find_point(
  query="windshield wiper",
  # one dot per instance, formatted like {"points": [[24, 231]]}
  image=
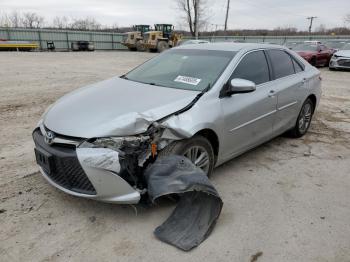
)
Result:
{"points": [[190, 105], [154, 84], [124, 77]]}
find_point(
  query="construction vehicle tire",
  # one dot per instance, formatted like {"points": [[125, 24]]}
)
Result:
{"points": [[162, 46]]}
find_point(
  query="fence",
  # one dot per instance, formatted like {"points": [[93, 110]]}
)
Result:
{"points": [[273, 39], [63, 38], [111, 41]]}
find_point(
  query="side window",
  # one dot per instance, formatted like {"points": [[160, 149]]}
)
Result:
{"points": [[253, 67], [282, 63], [297, 66], [322, 48]]}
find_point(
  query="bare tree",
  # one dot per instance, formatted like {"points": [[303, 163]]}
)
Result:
{"points": [[32, 20], [194, 14], [347, 19], [4, 20], [88, 23], [321, 28], [60, 22], [15, 18]]}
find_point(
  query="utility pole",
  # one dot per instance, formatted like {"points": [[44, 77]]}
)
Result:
{"points": [[196, 4], [311, 18], [227, 8]]}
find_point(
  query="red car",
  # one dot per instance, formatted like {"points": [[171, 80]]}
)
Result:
{"points": [[315, 53]]}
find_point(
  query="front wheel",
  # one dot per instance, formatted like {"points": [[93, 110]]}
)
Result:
{"points": [[304, 119], [162, 46], [313, 61], [198, 149]]}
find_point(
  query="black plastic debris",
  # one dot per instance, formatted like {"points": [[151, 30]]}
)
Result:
{"points": [[199, 206]]}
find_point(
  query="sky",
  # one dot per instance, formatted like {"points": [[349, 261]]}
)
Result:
{"points": [[243, 14]]}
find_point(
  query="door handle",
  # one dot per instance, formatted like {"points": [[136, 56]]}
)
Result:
{"points": [[272, 93]]}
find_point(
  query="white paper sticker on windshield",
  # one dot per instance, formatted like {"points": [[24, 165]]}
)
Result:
{"points": [[188, 80]]}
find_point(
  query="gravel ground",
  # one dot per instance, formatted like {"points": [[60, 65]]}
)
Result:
{"points": [[288, 200]]}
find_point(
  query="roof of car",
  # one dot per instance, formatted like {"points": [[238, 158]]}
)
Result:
{"points": [[230, 46]]}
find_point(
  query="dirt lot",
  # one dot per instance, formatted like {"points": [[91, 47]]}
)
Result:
{"points": [[289, 199]]}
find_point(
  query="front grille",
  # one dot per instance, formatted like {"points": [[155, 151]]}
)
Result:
{"points": [[65, 169], [344, 62]]}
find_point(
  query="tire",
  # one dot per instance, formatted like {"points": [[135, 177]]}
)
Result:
{"points": [[187, 146], [75, 47], [331, 68], [132, 48], [162, 46], [304, 119], [139, 46], [313, 61]]}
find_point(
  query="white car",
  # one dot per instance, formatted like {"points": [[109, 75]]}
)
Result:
{"points": [[341, 58]]}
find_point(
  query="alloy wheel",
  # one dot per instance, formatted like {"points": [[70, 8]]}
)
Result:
{"points": [[305, 118], [199, 156]]}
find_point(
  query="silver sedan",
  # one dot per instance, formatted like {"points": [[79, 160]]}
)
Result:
{"points": [[208, 102]]}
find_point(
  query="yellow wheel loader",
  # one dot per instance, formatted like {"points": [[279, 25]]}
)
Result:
{"points": [[134, 40], [162, 38]]}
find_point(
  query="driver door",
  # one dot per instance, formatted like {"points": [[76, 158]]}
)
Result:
{"points": [[249, 117]]}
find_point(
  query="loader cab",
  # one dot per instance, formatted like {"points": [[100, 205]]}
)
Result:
{"points": [[166, 29], [141, 28]]}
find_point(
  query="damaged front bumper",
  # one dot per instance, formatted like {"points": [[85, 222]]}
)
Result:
{"points": [[93, 173]]}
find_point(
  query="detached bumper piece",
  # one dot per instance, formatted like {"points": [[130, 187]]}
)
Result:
{"points": [[199, 207], [60, 163]]}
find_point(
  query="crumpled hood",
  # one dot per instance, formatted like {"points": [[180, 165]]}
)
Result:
{"points": [[115, 107], [345, 53]]}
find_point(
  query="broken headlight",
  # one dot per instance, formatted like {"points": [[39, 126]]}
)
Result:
{"points": [[116, 143]]}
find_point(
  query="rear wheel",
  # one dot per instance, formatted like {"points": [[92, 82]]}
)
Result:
{"points": [[304, 119], [313, 61], [162, 46], [198, 149]]}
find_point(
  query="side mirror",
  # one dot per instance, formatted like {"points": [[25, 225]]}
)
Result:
{"points": [[238, 86]]}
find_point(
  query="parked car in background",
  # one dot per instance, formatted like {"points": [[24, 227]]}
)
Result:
{"points": [[82, 46], [291, 45], [315, 53], [336, 44], [341, 58], [191, 42], [213, 102]]}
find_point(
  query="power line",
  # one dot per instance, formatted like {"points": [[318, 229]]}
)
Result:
{"points": [[311, 18]]}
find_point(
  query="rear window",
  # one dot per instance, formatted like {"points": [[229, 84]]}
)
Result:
{"points": [[282, 63]]}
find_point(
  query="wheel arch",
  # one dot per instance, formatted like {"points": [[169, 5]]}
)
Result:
{"points": [[313, 98], [212, 138]]}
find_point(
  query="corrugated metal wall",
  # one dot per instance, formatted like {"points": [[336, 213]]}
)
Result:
{"points": [[110, 41], [62, 38]]}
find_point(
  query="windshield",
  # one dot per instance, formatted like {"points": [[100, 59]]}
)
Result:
{"points": [[305, 47], [183, 69]]}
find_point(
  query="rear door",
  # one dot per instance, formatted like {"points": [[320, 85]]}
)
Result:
{"points": [[249, 117], [324, 55], [290, 87]]}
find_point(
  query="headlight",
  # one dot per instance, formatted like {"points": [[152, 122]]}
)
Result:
{"points": [[119, 142]]}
